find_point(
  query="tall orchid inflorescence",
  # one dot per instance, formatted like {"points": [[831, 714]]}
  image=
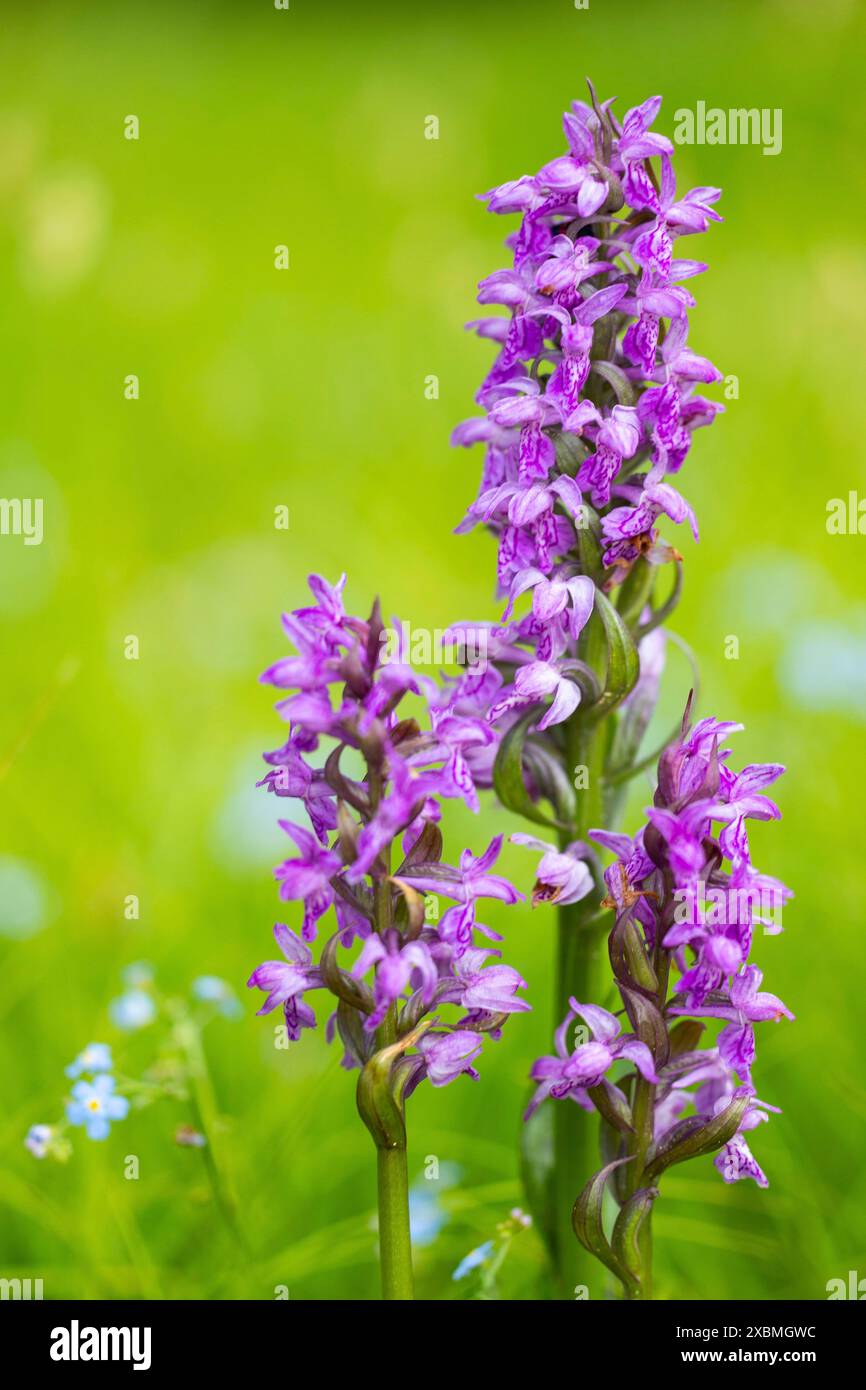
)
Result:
{"points": [[419, 996], [590, 404], [589, 411]]}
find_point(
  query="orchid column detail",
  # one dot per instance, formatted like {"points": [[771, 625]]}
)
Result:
{"points": [[589, 411], [374, 850]]}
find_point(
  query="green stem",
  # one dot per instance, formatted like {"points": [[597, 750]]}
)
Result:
{"points": [[643, 1291], [575, 1133], [395, 1237], [205, 1115], [579, 973], [643, 1114], [395, 1246]]}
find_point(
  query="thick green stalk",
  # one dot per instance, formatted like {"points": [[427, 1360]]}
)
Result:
{"points": [[579, 973], [395, 1246], [575, 1141], [395, 1239], [643, 1114]]}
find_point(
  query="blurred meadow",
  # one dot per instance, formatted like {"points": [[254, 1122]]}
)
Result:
{"points": [[305, 388]]}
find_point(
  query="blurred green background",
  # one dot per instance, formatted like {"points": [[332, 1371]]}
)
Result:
{"points": [[305, 388]]}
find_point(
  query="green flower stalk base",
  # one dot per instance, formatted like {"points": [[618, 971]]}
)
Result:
{"points": [[395, 1245], [381, 1106], [580, 971]]}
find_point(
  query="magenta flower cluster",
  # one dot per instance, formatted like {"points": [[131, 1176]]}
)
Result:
{"points": [[591, 402], [588, 414], [686, 898], [385, 855]]}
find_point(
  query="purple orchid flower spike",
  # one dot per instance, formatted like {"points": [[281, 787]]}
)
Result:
{"points": [[677, 908], [587, 416], [589, 413], [575, 303], [373, 850]]}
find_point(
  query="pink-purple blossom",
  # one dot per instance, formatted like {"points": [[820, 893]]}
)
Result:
{"points": [[686, 898], [349, 860]]}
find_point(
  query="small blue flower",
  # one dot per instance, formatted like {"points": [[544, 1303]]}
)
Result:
{"points": [[212, 990], [96, 1057], [95, 1105], [38, 1139], [426, 1217], [477, 1257], [132, 1010], [426, 1213]]}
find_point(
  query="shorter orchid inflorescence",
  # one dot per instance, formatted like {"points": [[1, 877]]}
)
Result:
{"points": [[419, 995], [678, 908]]}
